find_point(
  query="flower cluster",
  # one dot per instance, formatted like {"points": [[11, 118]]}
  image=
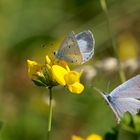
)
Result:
{"points": [[55, 72], [90, 137]]}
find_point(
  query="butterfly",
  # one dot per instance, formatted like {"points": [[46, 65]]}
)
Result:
{"points": [[124, 98], [77, 48]]}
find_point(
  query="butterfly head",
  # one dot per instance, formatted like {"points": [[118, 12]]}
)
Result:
{"points": [[109, 98], [58, 55], [55, 54]]}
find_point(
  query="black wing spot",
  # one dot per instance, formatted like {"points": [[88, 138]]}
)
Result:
{"points": [[69, 46]]}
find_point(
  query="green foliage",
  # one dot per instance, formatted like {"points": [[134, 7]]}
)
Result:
{"points": [[112, 135], [128, 129], [45, 80], [1, 125], [25, 26]]}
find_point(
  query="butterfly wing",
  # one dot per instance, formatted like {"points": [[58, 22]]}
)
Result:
{"points": [[86, 43], [123, 105], [130, 88], [124, 97], [69, 50], [132, 93]]}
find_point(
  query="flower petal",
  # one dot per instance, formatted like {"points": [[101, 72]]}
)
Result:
{"points": [[33, 68], [72, 77], [76, 88], [94, 137], [61, 63], [58, 73], [48, 60]]}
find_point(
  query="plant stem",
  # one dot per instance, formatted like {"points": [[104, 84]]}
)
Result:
{"points": [[105, 9], [50, 113]]}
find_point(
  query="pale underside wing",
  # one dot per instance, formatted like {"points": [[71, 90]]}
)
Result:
{"points": [[127, 105], [86, 43], [125, 97], [129, 88], [77, 48], [69, 50]]}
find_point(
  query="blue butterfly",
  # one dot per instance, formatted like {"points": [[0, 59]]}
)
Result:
{"points": [[77, 48], [124, 98]]}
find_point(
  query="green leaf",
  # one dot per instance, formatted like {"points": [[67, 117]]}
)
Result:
{"points": [[127, 122], [126, 135], [42, 79], [136, 119], [126, 119], [112, 135], [39, 83]]}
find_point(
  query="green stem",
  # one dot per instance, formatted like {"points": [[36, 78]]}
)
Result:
{"points": [[50, 113], [105, 9]]}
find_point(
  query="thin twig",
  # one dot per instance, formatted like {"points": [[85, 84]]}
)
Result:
{"points": [[105, 9]]}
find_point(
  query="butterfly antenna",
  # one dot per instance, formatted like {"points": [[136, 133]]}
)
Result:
{"points": [[98, 90], [108, 86]]}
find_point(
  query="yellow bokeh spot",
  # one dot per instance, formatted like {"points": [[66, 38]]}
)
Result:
{"points": [[77, 138], [94, 137], [76, 88], [127, 47], [58, 73]]}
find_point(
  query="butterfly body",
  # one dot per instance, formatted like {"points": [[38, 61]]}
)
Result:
{"points": [[76, 48]]}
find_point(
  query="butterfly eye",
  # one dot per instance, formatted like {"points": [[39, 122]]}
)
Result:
{"points": [[109, 98], [54, 53]]}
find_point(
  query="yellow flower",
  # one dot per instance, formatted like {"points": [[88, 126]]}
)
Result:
{"points": [[33, 68], [55, 72], [72, 79], [77, 138], [48, 60], [62, 75], [94, 137], [58, 73], [76, 88], [61, 63]]}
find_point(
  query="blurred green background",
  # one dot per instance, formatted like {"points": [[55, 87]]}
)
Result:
{"points": [[32, 29]]}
